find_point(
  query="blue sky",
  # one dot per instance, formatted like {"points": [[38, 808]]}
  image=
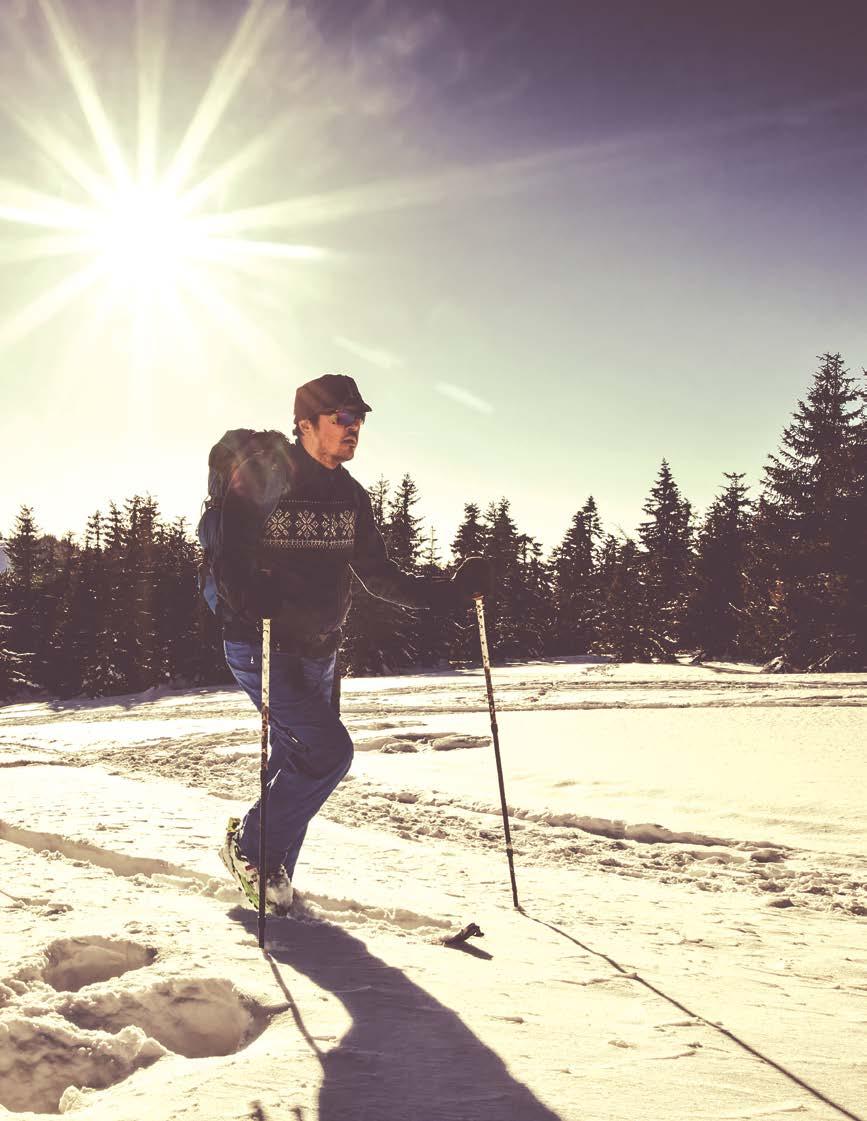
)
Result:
{"points": [[553, 243]]}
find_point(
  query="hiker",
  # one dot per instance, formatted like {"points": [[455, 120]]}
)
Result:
{"points": [[288, 528]]}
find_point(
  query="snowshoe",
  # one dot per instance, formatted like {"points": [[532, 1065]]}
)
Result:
{"points": [[278, 887]]}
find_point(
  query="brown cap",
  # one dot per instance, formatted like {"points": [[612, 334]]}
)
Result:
{"points": [[327, 393]]}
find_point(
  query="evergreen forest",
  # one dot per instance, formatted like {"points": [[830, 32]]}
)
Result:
{"points": [[776, 576]]}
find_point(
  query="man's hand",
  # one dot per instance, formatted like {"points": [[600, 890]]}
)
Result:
{"points": [[472, 579]]}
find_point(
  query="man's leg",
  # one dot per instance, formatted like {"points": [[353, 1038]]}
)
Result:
{"points": [[310, 749], [319, 675]]}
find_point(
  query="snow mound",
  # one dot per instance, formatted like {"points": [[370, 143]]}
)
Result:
{"points": [[41, 1057], [196, 1018], [457, 742], [82, 1016], [351, 913], [394, 744], [84, 851], [397, 747]]}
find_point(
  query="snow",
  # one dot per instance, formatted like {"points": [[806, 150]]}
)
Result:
{"points": [[691, 853]]}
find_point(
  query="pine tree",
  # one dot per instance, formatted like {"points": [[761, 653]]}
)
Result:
{"points": [[403, 535], [59, 673], [717, 616], [504, 547], [666, 537], [530, 600], [404, 541], [379, 636], [623, 625], [573, 565], [26, 615], [435, 631], [13, 675], [854, 544], [86, 642], [431, 551], [812, 525], [470, 540], [379, 501], [175, 618], [471, 537]]}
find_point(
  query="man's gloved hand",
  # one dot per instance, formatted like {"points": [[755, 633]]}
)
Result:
{"points": [[472, 579]]}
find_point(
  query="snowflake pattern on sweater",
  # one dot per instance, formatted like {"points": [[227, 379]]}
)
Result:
{"points": [[305, 524]]}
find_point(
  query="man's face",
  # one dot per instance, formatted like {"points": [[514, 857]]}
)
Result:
{"points": [[333, 437]]}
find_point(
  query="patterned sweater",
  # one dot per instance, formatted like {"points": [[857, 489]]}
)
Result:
{"points": [[305, 551]]}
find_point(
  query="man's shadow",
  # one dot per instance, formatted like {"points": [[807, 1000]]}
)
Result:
{"points": [[406, 1057]]}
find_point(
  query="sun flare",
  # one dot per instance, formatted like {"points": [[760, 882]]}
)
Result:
{"points": [[146, 237], [143, 238]]}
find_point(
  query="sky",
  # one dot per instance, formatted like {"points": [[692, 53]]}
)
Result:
{"points": [[553, 242]]}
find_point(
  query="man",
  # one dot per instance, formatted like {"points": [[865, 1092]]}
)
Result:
{"points": [[293, 563]]}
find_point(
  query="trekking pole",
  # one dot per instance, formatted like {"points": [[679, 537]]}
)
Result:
{"points": [[486, 662], [263, 772]]}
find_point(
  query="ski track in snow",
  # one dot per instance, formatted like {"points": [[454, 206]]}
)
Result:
{"points": [[707, 864], [216, 753]]}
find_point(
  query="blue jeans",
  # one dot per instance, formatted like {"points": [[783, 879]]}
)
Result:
{"points": [[310, 749]]}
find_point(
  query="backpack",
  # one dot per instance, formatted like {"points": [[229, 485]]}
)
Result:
{"points": [[264, 459]]}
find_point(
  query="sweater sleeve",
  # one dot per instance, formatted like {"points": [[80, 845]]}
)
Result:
{"points": [[382, 577]]}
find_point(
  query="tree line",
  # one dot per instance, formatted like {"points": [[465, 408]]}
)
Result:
{"points": [[777, 577]]}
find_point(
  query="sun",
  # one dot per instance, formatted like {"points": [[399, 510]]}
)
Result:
{"points": [[143, 238]]}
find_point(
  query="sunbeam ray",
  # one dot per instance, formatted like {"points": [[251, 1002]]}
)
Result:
{"points": [[257, 24], [85, 90], [379, 196], [59, 151], [483, 180], [48, 304], [228, 249], [243, 160], [241, 331], [43, 248], [33, 208], [151, 37]]}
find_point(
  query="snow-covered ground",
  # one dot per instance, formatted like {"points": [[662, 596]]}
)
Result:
{"points": [[691, 853]]}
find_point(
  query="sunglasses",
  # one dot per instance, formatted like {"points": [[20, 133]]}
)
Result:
{"points": [[346, 417]]}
